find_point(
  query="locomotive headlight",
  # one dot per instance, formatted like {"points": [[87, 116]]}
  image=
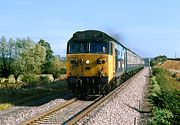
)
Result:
{"points": [[87, 61]]}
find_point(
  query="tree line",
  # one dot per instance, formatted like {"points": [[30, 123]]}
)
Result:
{"points": [[24, 56]]}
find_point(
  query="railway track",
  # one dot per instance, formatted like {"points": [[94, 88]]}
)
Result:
{"points": [[66, 113], [61, 113], [88, 109], [41, 117]]}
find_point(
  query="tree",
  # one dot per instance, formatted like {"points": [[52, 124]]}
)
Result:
{"points": [[20, 47], [33, 58], [45, 68], [56, 67], [3, 44], [7, 53], [158, 60], [46, 45], [21, 56], [29, 57]]}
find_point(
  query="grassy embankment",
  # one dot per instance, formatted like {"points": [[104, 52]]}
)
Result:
{"points": [[20, 94], [165, 96]]}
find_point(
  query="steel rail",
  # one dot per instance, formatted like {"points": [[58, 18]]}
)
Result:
{"points": [[88, 109], [44, 114]]}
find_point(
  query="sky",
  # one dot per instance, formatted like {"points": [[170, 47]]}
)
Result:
{"points": [[147, 27]]}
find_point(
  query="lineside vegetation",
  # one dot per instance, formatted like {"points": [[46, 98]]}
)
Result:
{"points": [[165, 96], [28, 70]]}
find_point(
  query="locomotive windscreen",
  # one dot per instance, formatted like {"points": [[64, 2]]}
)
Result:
{"points": [[78, 47], [88, 47]]}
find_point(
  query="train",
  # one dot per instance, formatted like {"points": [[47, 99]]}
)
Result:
{"points": [[96, 63]]}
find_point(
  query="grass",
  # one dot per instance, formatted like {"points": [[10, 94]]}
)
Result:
{"points": [[5, 106], [175, 84], [165, 96], [19, 94]]}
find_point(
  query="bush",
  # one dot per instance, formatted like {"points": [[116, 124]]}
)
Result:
{"points": [[174, 75], [44, 78], [2, 80], [153, 80], [157, 71], [155, 88], [63, 71], [162, 117], [11, 79], [29, 78], [158, 60], [56, 74]]}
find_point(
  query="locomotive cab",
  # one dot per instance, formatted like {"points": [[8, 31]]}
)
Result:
{"points": [[88, 57]]}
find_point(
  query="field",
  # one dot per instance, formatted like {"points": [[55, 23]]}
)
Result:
{"points": [[19, 94], [172, 65]]}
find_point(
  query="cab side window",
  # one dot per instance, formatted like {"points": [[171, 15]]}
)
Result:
{"points": [[110, 48]]}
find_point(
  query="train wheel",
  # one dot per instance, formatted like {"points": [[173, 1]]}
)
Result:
{"points": [[99, 89], [108, 88], [76, 90], [88, 92], [103, 91]]}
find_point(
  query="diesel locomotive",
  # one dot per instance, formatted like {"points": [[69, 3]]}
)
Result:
{"points": [[97, 63]]}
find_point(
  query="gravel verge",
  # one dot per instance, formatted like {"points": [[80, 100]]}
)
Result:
{"points": [[123, 108], [17, 114]]}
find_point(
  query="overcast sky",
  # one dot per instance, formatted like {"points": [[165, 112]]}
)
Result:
{"points": [[148, 27]]}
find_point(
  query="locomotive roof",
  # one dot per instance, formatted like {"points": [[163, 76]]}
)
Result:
{"points": [[89, 34], [98, 35]]}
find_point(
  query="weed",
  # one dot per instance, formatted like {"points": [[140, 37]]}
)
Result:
{"points": [[5, 106]]}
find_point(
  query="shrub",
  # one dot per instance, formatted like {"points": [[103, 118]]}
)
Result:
{"points": [[158, 60], [50, 77], [174, 75], [2, 80], [162, 117], [11, 79], [153, 80], [44, 78], [29, 78], [63, 71], [157, 71]]}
